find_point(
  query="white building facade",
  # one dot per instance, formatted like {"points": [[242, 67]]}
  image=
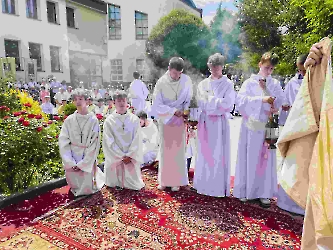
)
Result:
{"points": [[81, 40], [130, 23]]}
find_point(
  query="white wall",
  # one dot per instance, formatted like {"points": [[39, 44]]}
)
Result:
{"points": [[19, 27]]}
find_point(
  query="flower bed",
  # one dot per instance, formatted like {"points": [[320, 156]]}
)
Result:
{"points": [[29, 153]]}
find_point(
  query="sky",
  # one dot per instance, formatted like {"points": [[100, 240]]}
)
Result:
{"points": [[209, 7]]}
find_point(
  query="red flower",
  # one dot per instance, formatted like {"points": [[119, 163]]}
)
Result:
{"points": [[57, 118], [99, 116], [27, 105], [38, 117], [2, 107], [23, 112], [26, 123], [57, 136], [30, 116], [50, 122], [7, 109], [21, 119], [39, 129], [17, 113], [5, 117]]}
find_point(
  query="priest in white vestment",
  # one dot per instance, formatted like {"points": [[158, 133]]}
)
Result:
{"points": [[122, 147], [256, 172], [79, 144], [172, 95], [138, 92], [150, 138], [216, 98]]}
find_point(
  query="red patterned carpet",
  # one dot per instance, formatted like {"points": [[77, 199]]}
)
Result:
{"points": [[153, 219]]}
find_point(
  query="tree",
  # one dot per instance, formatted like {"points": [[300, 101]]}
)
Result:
{"points": [[180, 33], [225, 34], [278, 26]]}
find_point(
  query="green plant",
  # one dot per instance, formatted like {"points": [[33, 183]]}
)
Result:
{"points": [[27, 144], [69, 109]]}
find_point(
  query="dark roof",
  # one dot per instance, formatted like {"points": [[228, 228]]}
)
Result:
{"points": [[99, 5], [192, 5]]}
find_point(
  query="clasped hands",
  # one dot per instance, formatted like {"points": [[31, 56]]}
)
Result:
{"points": [[126, 159]]}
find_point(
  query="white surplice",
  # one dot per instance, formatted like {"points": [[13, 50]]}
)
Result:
{"points": [[81, 154], [216, 99], [256, 172], [170, 96], [138, 92], [150, 141], [122, 137]]}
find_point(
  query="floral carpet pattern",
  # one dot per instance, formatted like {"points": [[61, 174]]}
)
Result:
{"points": [[154, 219]]}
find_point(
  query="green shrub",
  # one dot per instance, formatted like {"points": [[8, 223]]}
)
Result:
{"points": [[69, 109]]}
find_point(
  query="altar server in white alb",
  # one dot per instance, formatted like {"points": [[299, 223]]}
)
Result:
{"points": [[138, 92], [79, 144], [216, 98], [259, 96], [150, 139], [122, 146], [172, 95]]}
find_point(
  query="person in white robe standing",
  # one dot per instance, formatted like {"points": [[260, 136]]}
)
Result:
{"points": [[256, 172], [216, 98], [172, 95], [149, 137], [122, 147], [138, 92], [79, 144], [283, 200]]}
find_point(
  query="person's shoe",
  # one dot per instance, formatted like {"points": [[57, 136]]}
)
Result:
{"points": [[160, 187], [265, 202], [175, 189], [243, 199]]}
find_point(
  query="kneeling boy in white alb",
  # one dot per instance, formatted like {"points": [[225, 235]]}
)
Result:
{"points": [[150, 140], [122, 146], [79, 144]]}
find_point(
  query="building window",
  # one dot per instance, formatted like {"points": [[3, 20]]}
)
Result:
{"points": [[70, 17], [114, 22], [12, 50], [35, 52], [8, 6], [55, 58], [141, 67], [116, 70], [32, 9], [52, 12], [141, 25]]}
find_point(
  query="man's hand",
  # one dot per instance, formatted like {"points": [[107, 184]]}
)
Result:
{"points": [[75, 168], [268, 99], [179, 113], [127, 159], [314, 56]]}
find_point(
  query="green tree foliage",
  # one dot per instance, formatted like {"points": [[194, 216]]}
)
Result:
{"points": [[180, 33], [225, 34], [285, 27]]}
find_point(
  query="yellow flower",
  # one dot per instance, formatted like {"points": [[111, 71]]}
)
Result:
{"points": [[35, 107]]}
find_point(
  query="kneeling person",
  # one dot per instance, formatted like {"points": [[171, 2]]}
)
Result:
{"points": [[149, 133], [79, 144], [122, 146]]}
